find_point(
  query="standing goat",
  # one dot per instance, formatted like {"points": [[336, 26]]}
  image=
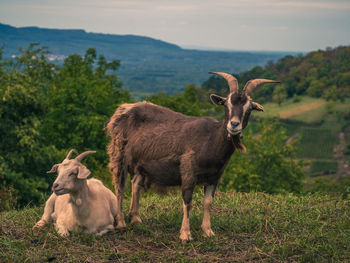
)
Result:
{"points": [[158, 146], [77, 201]]}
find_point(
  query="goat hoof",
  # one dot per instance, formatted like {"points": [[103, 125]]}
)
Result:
{"points": [[63, 233], [136, 220], [105, 231], [208, 233], [39, 224], [185, 236], [121, 225]]}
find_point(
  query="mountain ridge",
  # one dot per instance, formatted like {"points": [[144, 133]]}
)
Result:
{"points": [[148, 65]]}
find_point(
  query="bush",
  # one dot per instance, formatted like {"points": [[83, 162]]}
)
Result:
{"points": [[269, 165], [8, 197], [296, 98]]}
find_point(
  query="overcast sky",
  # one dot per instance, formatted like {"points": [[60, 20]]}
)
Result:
{"points": [[288, 25]]}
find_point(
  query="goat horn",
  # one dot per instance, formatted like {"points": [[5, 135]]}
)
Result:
{"points": [[254, 83], [70, 153], [231, 81], [81, 156]]}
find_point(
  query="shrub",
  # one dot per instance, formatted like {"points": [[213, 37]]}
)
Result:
{"points": [[269, 165]]}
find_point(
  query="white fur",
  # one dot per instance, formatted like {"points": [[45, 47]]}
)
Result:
{"points": [[92, 207]]}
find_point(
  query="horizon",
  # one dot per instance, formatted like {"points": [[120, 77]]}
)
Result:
{"points": [[253, 26], [188, 47]]}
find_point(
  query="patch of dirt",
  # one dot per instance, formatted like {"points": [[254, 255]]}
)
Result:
{"points": [[300, 110]]}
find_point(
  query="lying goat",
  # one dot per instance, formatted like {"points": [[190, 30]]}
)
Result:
{"points": [[158, 146], [77, 201]]}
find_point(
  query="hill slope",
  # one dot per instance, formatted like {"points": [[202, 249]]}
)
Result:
{"points": [[253, 227], [322, 73], [148, 65], [319, 119]]}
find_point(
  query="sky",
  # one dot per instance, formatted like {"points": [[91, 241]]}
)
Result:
{"points": [[271, 25]]}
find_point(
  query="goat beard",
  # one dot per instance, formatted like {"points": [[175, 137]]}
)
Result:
{"points": [[236, 140]]}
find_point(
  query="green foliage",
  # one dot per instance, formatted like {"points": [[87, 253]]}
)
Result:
{"points": [[279, 94], [8, 196], [269, 164], [315, 88], [187, 102], [331, 93], [296, 98], [47, 109], [85, 93], [320, 73], [23, 85], [328, 184]]}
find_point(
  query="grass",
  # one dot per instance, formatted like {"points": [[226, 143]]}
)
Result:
{"points": [[312, 116], [318, 124], [249, 227], [274, 110], [329, 167], [317, 142]]}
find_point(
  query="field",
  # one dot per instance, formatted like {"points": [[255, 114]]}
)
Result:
{"points": [[317, 124], [290, 108], [249, 227]]}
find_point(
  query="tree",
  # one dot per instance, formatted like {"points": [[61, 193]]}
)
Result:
{"points": [[279, 94], [82, 98], [186, 102], [84, 95], [315, 88], [331, 93], [46, 110], [23, 155]]}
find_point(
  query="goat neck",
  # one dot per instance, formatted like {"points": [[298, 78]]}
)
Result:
{"points": [[79, 199], [223, 142]]}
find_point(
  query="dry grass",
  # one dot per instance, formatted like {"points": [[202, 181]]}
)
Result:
{"points": [[300, 110]]}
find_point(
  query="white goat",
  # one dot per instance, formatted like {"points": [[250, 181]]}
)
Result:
{"points": [[77, 201]]}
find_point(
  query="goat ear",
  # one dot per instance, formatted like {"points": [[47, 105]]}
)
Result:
{"points": [[257, 106], [83, 172], [53, 169], [217, 99]]}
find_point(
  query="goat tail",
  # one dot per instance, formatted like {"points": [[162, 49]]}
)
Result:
{"points": [[117, 164]]}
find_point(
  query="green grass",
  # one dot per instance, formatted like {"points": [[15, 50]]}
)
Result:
{"points": [[318, 166], [312, 116], [273, 109], [249, 227], [318, 129], [317, 142]]}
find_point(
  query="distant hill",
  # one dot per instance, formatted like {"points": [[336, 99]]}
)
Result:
{"points": [[147, 65], [322, 73]]}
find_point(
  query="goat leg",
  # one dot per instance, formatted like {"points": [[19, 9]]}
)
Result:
{"points": [[208, 200], [48, 210], [135, 197], [119, 189], [185, 232]]}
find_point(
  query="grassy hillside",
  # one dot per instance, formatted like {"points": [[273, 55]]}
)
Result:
{"points": [[318, 124], [147, 65], [249, 227]]}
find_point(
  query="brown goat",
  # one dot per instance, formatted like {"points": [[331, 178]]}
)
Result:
{"points": [[158, 146]]}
